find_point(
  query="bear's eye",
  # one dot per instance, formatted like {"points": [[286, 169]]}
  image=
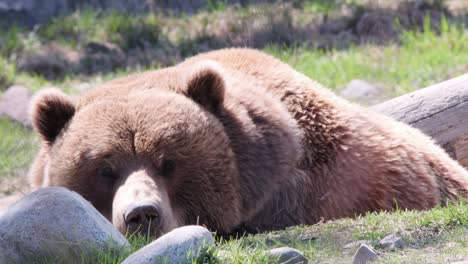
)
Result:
{"points": [[167, 168], [107, 172]]}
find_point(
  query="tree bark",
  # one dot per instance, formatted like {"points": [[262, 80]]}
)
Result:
{"points": [[440, 111]]}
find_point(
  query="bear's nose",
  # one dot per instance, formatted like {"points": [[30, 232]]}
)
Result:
{"points": [[143, 218]]}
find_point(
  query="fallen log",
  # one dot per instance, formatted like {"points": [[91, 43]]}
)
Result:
{"points": [[440, 111]]}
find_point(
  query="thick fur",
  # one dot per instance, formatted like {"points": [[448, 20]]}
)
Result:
{"points": [[256, 144]]}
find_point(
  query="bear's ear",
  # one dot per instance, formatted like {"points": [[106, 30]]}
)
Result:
{"points": [[51, 109], [206, 87]]}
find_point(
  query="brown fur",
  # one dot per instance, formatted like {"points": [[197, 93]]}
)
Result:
{"points": [[255, 142]]}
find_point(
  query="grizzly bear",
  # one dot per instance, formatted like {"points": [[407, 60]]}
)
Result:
{"points": [[233, 139]]}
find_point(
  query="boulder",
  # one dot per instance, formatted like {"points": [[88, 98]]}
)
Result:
{"points": [[14, 103], [362, 92], [181, 245], [392, 242], [365, 254], [55, 224], [287, 255]]}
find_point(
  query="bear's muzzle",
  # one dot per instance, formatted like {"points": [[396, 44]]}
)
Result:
{"points": [[141, 205], [142, 217]]}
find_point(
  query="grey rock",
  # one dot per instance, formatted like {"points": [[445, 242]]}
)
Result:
{"points": [[181, 245], [276, 239], [365, 254], [287, 255], [52, 61], [50, 67], [415, 13], [308, 237], [376, 27], [359, 90], [334, 26], [356, 244], [14, 104], [55, 223], [101, 57], [392, 242]]}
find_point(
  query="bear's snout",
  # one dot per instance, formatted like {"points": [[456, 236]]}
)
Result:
{"points": [[141, 205], [142, 217]]}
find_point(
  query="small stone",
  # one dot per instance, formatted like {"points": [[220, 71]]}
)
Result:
{"points": [[82, 87], [276, 239], [287, 255], [223, 255], [181, 245], [308, 237], [459, 260], [14, 103], [58, 224], [392, 242], [365, 254], [333, 27], [356, 244], [376, 27], [359, 90]]}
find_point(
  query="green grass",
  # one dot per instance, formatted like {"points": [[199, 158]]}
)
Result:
{"points": [[111, 257], [324, 6], [17, 147], [310, 6], [422, 59], [115, 27], [444, 230], [10, 40], [7, 74], [441, 233], [226, 25], [216, 5]]}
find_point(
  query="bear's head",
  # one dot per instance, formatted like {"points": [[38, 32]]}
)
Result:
{"points": [[149, 161]]}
